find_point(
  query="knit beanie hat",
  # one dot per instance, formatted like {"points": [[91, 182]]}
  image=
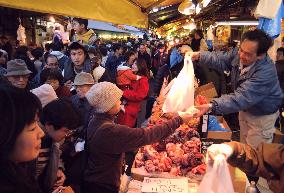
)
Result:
{"points": [[103, 96], [45, 93]]}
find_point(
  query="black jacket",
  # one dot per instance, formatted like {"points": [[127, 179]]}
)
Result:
{"points": [[280, 72], [15, 178], [163, 72], [147, 59]]}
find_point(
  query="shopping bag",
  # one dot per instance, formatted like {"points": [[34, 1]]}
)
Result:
{"points": [[267, 9], [217, 178], [181, 94]]}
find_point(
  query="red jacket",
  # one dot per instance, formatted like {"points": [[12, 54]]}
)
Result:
{"points": [[134, 98]]}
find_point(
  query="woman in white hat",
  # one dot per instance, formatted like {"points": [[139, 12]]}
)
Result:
{"points": [[107, 141]]}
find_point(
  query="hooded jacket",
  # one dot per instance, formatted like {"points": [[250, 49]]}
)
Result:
{"points": [[125, 75], [62, 58]]}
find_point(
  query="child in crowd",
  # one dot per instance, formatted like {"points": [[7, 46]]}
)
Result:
{"points": [[125, 76]]}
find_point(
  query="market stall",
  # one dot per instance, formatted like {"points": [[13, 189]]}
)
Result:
{"points": [[177, 163]]}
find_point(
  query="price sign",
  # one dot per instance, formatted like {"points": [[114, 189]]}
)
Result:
{"points": [[162, 185]]}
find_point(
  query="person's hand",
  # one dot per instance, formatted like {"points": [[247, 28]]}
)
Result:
{"points": [[69, 84], [202, 109], [60, 178], [59, 189], [216, 150], [186, 117], [194, 55], [188, 114]]}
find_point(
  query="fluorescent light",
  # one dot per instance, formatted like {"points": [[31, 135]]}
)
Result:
{"points": [[236, 23], [198, 8], [205, 2], [155, 9]]}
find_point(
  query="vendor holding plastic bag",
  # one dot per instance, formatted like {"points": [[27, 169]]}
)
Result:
{"points": [[266, 161], [257, 94]]}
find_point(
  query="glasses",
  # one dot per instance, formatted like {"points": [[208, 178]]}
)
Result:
{"points": [[18, 77], [69, 133], [52, 64]]}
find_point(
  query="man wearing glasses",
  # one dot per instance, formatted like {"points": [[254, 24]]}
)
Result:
{"points": [[256, 91], [18, 74]]}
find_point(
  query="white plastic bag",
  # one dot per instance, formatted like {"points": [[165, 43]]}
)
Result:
{"points": [[217, 178], [181, 94], [267, 9]]}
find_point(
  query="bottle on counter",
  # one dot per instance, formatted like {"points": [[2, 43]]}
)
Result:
{"points": [[252, 188]]}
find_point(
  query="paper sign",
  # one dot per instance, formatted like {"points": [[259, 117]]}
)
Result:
{"points": [[162, 185]]}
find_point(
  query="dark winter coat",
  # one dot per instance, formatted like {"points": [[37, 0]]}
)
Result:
{"points": [[107, 142]]}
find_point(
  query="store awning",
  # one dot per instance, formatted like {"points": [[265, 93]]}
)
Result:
{"points": [[99, 25], [114, 11], [131, 28]]}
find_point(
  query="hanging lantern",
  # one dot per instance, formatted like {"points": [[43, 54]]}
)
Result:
{"points": [[186, 7]]}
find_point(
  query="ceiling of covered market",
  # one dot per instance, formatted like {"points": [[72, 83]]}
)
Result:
{"points": [[167, 15], [156, 3]]}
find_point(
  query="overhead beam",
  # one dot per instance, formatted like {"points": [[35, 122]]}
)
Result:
{"points": [[148, 9]]}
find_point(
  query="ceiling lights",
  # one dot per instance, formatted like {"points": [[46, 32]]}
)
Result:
{"points": [[205, 2], [236, 23], [186, 7], [189, 26]]}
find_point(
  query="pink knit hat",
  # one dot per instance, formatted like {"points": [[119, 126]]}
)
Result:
{"points": [[45, 93], [103, 96]]}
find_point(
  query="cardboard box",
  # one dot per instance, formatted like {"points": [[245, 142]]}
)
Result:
{"points": [[278, 136], [239, 179], [207, 90], [221, 134], [216, 137]]}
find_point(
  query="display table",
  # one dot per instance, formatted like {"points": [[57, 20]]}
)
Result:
{"points": [[238, 178]]}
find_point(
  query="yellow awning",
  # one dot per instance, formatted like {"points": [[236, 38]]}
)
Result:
{"points": [[115, 11]]}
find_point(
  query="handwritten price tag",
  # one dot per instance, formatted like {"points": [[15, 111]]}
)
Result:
{"points": [[162, 185]]}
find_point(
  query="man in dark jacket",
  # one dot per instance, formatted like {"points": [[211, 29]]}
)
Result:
{"points": [[18, 74], [163, 72], [6, 45], [83, 82], [159, 58], [107, 141], [59, 120], [280, 72], [113, 61], [256, 95], [79, 62], [143, 54], [57, 50], [280, 66]]}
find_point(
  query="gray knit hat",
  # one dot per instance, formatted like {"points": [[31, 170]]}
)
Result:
{"points": [[83, 78], [17, 67], [103, 96]]}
